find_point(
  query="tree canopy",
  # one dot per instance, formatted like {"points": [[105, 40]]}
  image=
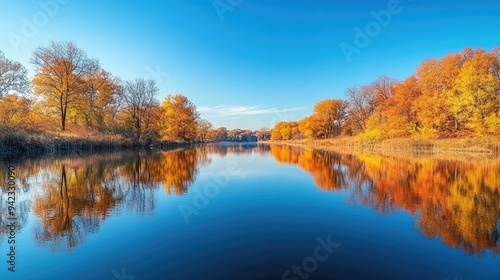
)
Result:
{"points": [[455, 96]]}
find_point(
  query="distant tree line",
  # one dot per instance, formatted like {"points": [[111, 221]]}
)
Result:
{"points": [[456, 96]]}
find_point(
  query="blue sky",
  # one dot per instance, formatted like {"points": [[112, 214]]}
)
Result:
{"points": [[262, 61]]}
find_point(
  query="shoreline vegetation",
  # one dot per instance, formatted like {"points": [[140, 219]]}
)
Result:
{"points": [[472, 146], [461, 149], [17, 144]]}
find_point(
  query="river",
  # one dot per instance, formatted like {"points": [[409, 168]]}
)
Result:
{"points": [[250, 211]]}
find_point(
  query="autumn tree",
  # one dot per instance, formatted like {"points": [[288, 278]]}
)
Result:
{"points": [[475, 97], [399, 110], [276, 131], [264, 134], [220, 134], [13, 76], [234, 134], [241, 135], [60, 71], [311, 127], [203, 130], [140, 101], [179, 118], [435, 79], [361, 105], [286, 131], [15, 111], [331, 113], [382, 89], [99, 99], [431, 104], [152, 121]]}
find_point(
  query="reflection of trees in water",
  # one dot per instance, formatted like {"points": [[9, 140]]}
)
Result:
{"points": [[455, 200], [178, 168], [77, 194], [140, 177], [74, 194], [325, 167]]}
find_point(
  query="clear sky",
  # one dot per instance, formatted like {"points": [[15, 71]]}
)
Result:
{"points": [[251, 63]]}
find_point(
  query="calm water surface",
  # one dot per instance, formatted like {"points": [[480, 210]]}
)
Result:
{"points": [[252, 212]]}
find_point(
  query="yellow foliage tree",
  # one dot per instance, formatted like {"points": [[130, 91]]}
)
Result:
{"points": [[99, 100], [15, 111], [179, 118], [331, 113], [60, 74], [285, 131], [312, 127], [475, 97]]}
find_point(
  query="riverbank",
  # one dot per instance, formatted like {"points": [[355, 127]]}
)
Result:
{"points": [[16, 143], [490, 145]]}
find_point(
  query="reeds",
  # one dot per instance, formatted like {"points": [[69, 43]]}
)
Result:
{"points": [[487, 144], [21, 143]]}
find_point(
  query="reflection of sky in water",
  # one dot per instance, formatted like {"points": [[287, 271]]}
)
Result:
{"points": [[498, 232]]}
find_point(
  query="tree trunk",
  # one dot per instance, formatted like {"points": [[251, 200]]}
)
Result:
{"points": [[138, 128], [63, 119]]}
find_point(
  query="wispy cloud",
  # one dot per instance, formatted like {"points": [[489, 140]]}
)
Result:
{"points": [[227, 110]]}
